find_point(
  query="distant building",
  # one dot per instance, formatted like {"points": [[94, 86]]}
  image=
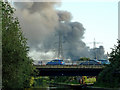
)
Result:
{"points": [[98, 53]]}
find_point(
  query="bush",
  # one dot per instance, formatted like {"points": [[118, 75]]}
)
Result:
{"points": [[110, 76]]}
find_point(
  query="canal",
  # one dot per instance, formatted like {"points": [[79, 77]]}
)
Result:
{"points": [[59, 87], [48, 83], [65, 87]]}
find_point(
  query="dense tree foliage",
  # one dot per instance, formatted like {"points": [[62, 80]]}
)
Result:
{"points": [[65, 79], [39, 82], [16, 65], [0, 45], [110, 76], [83, 59]]}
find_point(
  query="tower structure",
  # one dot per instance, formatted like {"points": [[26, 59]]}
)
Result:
{"points": [[94, 43], [94, 48], [60, 49]]}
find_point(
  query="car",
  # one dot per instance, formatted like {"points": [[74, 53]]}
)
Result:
{"points": [[104, 61], [56, 62], [91, 62]]}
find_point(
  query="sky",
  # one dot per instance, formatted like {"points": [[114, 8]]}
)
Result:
{"points": [[100, 19]]}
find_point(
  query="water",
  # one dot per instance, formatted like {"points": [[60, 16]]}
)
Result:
{"points": [[61, 87]]}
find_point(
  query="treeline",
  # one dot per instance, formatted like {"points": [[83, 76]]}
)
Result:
{"points": [[0, 45], [65, 79], [110, 76], [83, 59], [17, 67]]}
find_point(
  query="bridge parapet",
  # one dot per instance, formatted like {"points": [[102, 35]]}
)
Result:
{"points": [[70, 66]]}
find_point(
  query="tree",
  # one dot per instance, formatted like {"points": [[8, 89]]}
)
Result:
{"points": [[110, 76], [84, 59], [16, 65], [0, 45]]}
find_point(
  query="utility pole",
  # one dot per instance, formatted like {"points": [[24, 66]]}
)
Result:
{"points": [[60, 50], [94, 47], [94, 43]]}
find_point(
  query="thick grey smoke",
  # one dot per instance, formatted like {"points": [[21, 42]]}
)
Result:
{"points": [[41, 24], [38, 20], [73, 45], [64, 16]]}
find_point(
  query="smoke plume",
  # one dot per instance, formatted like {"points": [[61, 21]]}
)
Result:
{"points": [[38, 21], [41, 24]]}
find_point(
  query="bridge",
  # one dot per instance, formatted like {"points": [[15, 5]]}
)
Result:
{"points": [[69, 70]]}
